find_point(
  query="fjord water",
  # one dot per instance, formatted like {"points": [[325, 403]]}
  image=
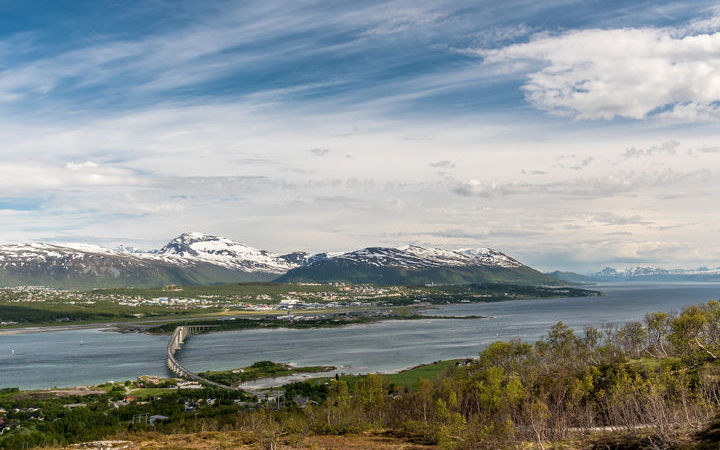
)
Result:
{"points": [[44, 360]]}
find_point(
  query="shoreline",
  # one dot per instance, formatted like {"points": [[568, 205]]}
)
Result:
{"points": [[140, 327], [90, 388]]}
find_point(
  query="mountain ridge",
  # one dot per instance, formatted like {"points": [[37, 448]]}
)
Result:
{"points": [[418, 265], [647, 273], [198, 258]]}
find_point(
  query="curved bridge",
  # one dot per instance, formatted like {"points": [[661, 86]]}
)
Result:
{"points": [[178, 337]]}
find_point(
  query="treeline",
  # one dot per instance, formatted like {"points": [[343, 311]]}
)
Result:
{"points": [[498, 291], [54, 311], [43, 313], [271, 321]]}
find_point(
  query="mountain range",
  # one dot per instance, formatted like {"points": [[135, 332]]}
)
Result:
{"points": [[641, 273], [197, 258]]}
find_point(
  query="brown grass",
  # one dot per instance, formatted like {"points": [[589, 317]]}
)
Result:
{"points": [[244, 441]]}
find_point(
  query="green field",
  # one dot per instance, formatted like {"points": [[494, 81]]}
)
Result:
{"points": [[408, 378]]}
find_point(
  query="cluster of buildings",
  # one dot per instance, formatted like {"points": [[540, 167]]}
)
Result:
{"points": [[7, 424], [315, 297], [169, 302]]}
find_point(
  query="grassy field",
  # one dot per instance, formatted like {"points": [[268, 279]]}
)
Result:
{"points": [[145, 393], [409, 377], [246, 441]]}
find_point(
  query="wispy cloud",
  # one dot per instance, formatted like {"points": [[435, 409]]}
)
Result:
{"points": [[615, 185], [369, 123], [667, 148], [444, 164]]}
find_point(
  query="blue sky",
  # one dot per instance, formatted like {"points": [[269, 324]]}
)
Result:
{"points": [[569, 134]]}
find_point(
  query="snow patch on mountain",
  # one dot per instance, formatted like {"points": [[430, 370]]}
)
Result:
{"points": [[195, 247], [186, 250], [416, 257], [491, 257]]}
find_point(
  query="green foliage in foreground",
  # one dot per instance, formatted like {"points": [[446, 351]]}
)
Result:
{"points": [[655, 380]]}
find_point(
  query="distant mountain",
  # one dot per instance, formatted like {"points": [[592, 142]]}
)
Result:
{"points": [[640, 273], [417, 265], [191, 258], [572, 277]]}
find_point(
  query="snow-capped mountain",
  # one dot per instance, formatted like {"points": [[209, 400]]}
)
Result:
{"points": [[76, 265], [415, 257], [128, 249], [191, 258], [490, 257], [416, 265], [191, 248], [639, 273], [197, 258], [296, 258]]}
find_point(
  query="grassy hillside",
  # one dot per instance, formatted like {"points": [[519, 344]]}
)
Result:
{"points": [[353, 272], [141, 277], [572, 277]]}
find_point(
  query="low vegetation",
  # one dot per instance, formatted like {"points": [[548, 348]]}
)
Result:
{"points": [[260, 369]]}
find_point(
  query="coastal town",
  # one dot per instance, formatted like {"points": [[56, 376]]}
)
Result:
{"points": [[334, 295], [22, 306]]}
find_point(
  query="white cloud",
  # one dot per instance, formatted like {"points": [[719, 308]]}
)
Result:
{"points": [[82, 165], [631, 72]]}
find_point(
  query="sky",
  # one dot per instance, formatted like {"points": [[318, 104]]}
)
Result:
{"points": [[571, 135]]}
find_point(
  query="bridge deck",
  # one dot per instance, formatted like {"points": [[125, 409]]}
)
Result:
{"points": [[178, 337]]}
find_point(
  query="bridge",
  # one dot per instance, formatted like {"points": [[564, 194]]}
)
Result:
{"points": [[178, 338]]}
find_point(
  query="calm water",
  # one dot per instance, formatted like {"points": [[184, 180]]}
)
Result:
{"points": [[57, 359]]}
